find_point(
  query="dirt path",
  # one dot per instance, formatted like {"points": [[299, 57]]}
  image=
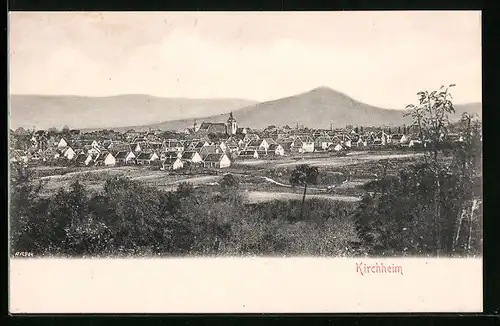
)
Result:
{"points": [[195, 180], [76, 173], [347, 160], [276, 182], [263, 196]]}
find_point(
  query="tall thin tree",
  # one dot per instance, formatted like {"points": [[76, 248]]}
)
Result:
{"points": [[303, 175], [430, 117]]}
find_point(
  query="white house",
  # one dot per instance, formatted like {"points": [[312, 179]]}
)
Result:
{"points": [[217, 161], [94, 151], [361, 142], [105, 158], [19, 156], [398, 139], [276, 149], [338, 147], [173, 145], [323, 142], [246, 154], [109, 159], [84, 159], [266, 142], [124, 157], [307, 147], [414, 142], [69, 153], [382, 137], [89, 159], [173, 163], [303, 144], [170, 154], [62, 143], [146, 158], [136, 147], [223, 146], [191, 156], [250, 137], [210, 149]]}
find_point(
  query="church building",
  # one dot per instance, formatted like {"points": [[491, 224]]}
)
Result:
{"points": [[229, 128]]}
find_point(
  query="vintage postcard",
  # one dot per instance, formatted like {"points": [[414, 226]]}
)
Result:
{"points": [[255, 162]]}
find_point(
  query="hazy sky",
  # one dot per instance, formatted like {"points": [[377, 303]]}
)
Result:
{"points": [[381, 58]]}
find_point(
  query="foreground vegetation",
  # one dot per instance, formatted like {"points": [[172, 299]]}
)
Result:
{"points": [[128, 218]]}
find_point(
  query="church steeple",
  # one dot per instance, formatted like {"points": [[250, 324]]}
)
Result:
{"points": [[231, 126]]}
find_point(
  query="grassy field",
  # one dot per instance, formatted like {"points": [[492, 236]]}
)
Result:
{"points": [[262, 179]]}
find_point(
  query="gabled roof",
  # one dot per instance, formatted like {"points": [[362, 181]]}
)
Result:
{"points": [[144, 156], [251, 136], [247, 153], [102, 156], [214, 157], [188, 155], [170, 160], [80, 158], [211, 149], [254, 143], [217, 128], [120, 147], [323, 138], [397, 136], [305, 138], [270, 140], [171, 154], [15, 155], [122, 154], [355, 138], [204, 126], [273, 147], [173, 143]]}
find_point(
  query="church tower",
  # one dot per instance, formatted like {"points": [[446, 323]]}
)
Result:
{"points": [[195, 126], [231, 126]]}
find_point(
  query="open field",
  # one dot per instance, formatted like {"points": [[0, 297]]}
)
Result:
{"points": [[263, 196], [352, 158], [262, 179]]}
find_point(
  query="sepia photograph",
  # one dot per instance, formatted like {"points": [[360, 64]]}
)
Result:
{"points": [[180, 136]]}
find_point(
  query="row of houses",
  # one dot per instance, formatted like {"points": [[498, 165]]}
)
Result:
{"points": [[238, 143], [142, 151]]}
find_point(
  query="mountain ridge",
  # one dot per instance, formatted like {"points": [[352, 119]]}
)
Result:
{"points": [[329, 108], [83, 112], [320, 107]]}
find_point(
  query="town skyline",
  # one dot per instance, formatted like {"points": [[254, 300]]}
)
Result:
{"points": [[250, 56]]}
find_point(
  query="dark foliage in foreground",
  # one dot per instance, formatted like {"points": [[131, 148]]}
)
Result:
{"points": [[128, 218]]}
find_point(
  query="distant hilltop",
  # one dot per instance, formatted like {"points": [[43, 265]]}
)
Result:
{"points": [[321, 107], [82, 112]]}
